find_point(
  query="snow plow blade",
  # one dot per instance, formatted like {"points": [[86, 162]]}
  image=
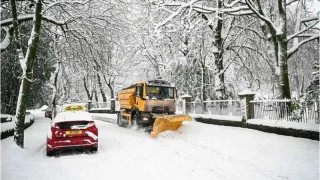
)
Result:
{"points": [[168, 122]]}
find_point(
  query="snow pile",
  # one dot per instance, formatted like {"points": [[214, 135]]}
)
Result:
{"points": [[38, 113], [7, 126], [44, 107], [217, 117], [285, 124], [310, 126], [105, 115]]}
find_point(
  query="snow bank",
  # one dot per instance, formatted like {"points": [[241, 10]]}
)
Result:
{"points": [[285, 124], [7, 126], [217, 117], [43, 108], [105, 115]]}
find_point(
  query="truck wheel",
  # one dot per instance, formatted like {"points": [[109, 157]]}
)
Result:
{"points": [[135, 122], [119, 122]]}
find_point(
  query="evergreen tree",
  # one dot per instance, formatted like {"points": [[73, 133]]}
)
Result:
{"points": [[11, 72]]}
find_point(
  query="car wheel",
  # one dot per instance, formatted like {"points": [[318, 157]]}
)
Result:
{"points": [[94, 150], [50, 153]]}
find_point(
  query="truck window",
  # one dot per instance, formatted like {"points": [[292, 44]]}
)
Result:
{"points": [[160, 92], [139, 91]]}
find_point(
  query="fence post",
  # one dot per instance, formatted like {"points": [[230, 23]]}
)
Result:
{"points": [[89, 105], [186, 103], [112, 105], [247, 109]]}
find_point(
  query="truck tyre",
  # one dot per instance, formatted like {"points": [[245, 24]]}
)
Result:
{"points": [[135, 121], [119, 122]]}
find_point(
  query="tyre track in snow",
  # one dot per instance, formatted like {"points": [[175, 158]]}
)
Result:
{"points": [[40, 136], [181, 145], [109, 120], [184, 147]]}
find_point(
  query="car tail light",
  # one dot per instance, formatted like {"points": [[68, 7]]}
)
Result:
{"points": [[92, 128], [56, 131]]}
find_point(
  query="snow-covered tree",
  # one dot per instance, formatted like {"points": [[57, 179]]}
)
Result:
{"points": [[273, 22]]}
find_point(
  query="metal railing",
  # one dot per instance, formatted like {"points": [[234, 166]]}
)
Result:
{"points": [[217, 107], [100, 105], [104, 105], [285, 110]]}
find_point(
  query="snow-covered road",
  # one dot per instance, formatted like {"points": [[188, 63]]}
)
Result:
{"points": [[195, 151]]}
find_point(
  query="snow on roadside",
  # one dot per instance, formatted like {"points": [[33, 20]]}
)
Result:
{"points": [[105, 115], [195, 151], [217, 117], [310, 126], [38, 113], [11, 125], [285, 124]]}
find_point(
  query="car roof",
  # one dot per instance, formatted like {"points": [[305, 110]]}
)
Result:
{"points": [[72, 116]]}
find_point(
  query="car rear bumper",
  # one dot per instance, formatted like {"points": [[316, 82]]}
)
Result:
{"points": [[66, 143]]}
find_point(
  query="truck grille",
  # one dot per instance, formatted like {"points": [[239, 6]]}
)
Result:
{"points": [[159, 109]]}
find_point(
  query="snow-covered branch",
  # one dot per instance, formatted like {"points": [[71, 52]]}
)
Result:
{"points": [[64, 3], [260, 14], [230, 5], [6, 41], [29, 17], [295, 48], [177, 12], [314, 18], [288, 2], [302, 31]]}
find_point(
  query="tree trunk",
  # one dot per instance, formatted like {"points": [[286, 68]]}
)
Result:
{"points": [[218, 55], [278, 37], [113, 105], [87, 90], [104, 99], [27, 76], [54, 93], [110, 86], [283, 54], [284, 76], [95, 96], [220, 91]]}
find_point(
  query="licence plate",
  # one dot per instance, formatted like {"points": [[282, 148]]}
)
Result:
{"points": [[76, 132]]}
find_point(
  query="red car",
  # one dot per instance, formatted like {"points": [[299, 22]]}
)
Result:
{"points": [[70, 130]]}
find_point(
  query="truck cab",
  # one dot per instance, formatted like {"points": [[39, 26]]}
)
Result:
{"points": [[141, 103]]}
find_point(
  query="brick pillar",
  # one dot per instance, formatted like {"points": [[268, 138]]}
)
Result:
{"points": [[247, 109], [186, 103]]}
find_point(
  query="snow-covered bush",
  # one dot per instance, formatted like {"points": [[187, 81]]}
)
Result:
{"points": [[7, 128]]}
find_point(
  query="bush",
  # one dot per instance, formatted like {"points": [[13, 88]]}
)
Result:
{"points": [[10, 132]]}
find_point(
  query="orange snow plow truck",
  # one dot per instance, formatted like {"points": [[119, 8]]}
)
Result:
{"points": [[150, 104]]}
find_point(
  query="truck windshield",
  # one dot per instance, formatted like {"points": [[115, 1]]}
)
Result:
{"points": [[160, 92]]}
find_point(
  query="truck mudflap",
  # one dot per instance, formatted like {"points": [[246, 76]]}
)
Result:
{"points": [[168, 122]]}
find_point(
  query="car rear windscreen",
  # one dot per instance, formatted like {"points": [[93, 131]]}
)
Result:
{"points": [[73, 125]]}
